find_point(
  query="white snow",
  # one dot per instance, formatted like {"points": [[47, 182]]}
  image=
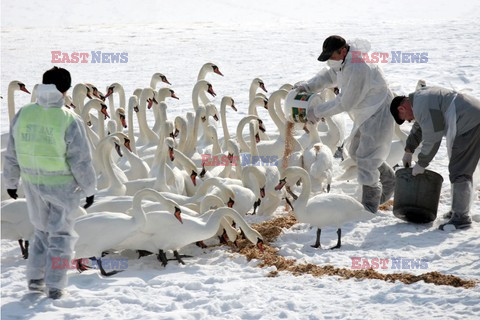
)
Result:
{"points": [[278, 41]]}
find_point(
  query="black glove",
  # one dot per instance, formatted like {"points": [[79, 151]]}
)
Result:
{"points": [[12, 193], [89, 202]]}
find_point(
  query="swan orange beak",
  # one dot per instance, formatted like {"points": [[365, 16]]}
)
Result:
{"points": [[178, 214], [23, 88], [210, 90], [281, 184], [262, 192], [104, 111], [173, 95], [127, 144], [217, 71], [171, 153], [257, 138], [149, 103], [109, 92], [122, 120], [164, 79], [193, 176]]}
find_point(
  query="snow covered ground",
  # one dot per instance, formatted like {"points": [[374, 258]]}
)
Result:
{"points": [[279, 42]]}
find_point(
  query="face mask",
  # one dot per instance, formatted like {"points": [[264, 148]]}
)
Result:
{"points": [[335, 64]]}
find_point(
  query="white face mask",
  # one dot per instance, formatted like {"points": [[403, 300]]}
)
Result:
{"points": [[335, 64]]}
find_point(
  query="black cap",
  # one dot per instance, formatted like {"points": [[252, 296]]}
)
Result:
{"points": [[394, 108], [331, 44], [59, 77]]}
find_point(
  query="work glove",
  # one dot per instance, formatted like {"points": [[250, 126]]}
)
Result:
{"points": [[418, 169], [89, 202], [12, 193], [311, 117], [300, 86], [407, 159]]}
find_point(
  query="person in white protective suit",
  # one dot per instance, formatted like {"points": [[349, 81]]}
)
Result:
{"points": [[48, 149], [365, 96], [442, 112]]}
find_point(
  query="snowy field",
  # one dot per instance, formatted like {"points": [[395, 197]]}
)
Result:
{"points": [[278, 41]]}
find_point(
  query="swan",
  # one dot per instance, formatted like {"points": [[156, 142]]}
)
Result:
{"points": [[16, 225], [211, 111], [226, 101], [189, 171], [252, 110], [98, 105], [212, 146], [207, 68], [244, 147], [114, 185], [163, 233], [181, 128], [254, 85], [33, 96], [201, 86], [318, 160], [139, 169], [323, 210], [120, 118], [115, 88], [191, 145], [132, 106], [156, 78], [102, 231], [80, 92], [12, 87], [146, 136], [273, 150], [159, 114]]}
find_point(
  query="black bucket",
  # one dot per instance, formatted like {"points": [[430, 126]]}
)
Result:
{"points": [[416, 198]]}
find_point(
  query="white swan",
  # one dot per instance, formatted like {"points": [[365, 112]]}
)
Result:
{"points": [[226, 101], [113, 185], [12, 87], [115, 88], [254, 85], [206, 69], [101, 231], [159, 114], [325, 209], [181, 129], [79, 94], [132, 106], [94, 137], [156, 78], [146, 137], [16, 225], [163, 233], [139, 169], [201, 86]]}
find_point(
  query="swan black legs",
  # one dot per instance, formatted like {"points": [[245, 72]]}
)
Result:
{"points": [[317, 242], [339, 241], [162, 257]]}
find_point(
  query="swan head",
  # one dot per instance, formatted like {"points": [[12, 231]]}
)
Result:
{"points": [[17, 85], [103, 109], [178, 214], [212, 111], [173, 95], [170, 143], [230, 202], [210, 90], [213, 68], [281, 184], [110, 91], [226, 100], [133, 103], [193, 177], [259, 83], [161, 77], [120, 112], [95, 91]]}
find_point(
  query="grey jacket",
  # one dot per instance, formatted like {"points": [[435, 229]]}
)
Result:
{"points": [[430, 105]]}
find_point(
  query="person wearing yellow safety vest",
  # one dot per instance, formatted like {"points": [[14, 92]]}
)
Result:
{"points": [[48, 149]]}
